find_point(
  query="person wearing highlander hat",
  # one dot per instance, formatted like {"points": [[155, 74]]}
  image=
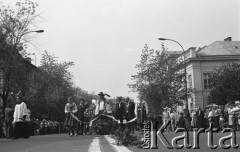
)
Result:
{"points": [[101, 103]]}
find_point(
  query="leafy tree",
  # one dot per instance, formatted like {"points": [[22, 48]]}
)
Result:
{"points": [[224, 82], [158, 79], [87, 96], [55, 87], [15, 24]]}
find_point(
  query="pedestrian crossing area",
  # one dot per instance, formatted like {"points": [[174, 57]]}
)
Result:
{"points": [[106, 144]]}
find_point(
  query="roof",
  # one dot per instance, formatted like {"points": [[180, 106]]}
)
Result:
{"points": [[220, 48], [174, 52]]}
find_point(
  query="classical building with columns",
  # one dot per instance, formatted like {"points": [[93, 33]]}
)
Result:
{"points": [[200, 62]]}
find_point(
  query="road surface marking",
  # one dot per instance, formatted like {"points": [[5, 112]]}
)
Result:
{"points": [[117, 148], [95, 146]]}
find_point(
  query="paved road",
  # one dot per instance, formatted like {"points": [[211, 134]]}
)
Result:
{"points": [[64, 143]]}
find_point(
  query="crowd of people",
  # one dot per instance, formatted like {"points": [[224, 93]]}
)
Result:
{"points": [[36, 127], [80, 118], [220, 117], [17, 122]]}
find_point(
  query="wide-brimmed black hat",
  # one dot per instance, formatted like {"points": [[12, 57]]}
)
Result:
{"points": [[103, 94]]}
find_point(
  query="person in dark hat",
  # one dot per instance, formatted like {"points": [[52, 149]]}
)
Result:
{"points": [[101, 103]]}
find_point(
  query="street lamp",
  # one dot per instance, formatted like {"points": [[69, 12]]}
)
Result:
{"points": [[185, 67], [37, 31]]}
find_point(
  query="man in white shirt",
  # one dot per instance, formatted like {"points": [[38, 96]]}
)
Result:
{"points": [[101, 103], [20, 111]]}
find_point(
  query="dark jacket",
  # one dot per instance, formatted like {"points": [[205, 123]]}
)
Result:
{"points": [[9, 115], [130, 110], [200, 115], [81, 110], [120, 111]]}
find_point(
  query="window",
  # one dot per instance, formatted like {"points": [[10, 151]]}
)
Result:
{"points": [[206, 80]]}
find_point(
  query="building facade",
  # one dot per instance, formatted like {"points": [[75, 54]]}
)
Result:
{"points": [[33, 81], [201, 62]]}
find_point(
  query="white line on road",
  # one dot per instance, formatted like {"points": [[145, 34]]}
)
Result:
{"points": [[95, 145], [117, 148]]}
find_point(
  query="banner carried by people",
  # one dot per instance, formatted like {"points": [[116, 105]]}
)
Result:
{"points": [[112, 117]]}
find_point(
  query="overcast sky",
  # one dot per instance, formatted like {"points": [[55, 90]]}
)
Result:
{"points": [[104, 38]]}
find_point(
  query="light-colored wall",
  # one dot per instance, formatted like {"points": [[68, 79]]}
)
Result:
{"points": [[196, 69]]}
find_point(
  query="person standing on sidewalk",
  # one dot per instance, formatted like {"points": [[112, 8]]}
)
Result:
{"points": [[9, 119], [235, 118], [200, 118]]}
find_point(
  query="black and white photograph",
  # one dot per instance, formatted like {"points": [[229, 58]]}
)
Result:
{"points": [[119, 75]]}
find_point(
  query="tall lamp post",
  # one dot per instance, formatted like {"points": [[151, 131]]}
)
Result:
{"points": [[37, 31], [185, 67], [19, 38]]}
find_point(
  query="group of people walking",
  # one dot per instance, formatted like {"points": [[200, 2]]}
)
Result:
{"points": [[71, 108], [77, 124]]}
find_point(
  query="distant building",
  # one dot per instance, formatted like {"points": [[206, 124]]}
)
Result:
{"points": [[33, 78], [200, 63]]}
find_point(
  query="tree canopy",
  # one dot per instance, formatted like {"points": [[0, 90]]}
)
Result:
{"points": [[15, 25], [158, 79], [224, 82], [55, 85]]}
